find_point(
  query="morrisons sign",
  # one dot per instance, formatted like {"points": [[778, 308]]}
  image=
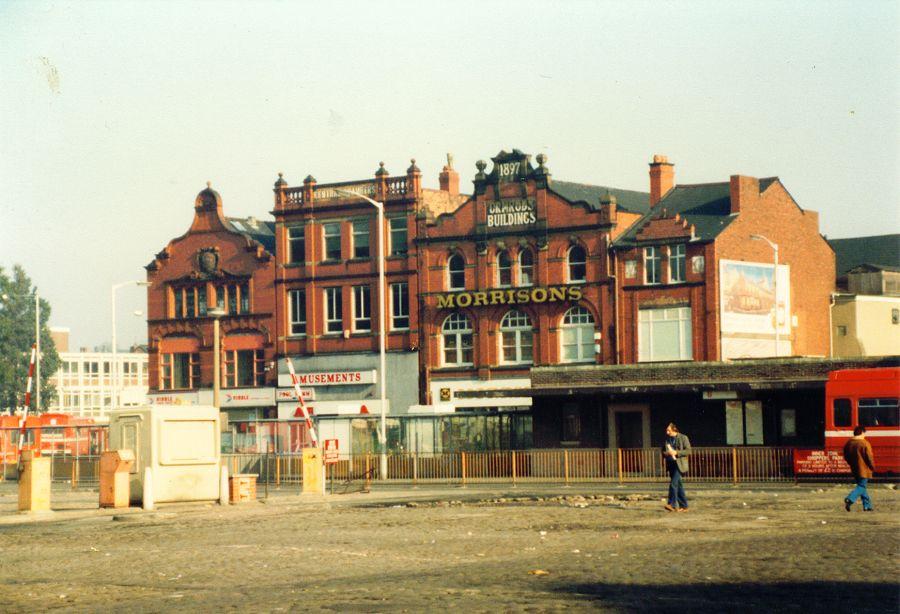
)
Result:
{"points": [[550, 294]]}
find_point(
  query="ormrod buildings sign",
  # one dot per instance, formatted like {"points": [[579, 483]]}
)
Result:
{"points": [[551, 294], [511, 212]]}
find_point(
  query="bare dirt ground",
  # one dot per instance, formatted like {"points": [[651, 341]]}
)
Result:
{"points": [[783, 549]]}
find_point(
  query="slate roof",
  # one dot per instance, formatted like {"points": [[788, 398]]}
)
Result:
{"points": [[629, 200], [880, 250], [263, 232], [705, 205]]}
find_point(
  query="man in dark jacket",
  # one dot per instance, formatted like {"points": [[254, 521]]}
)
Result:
{"points": [[675, 449], [858, 454]]}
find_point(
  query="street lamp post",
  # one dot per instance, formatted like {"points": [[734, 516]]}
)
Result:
{"points": [[115, 359], [216, 314], [774, 247], [382, 333]]}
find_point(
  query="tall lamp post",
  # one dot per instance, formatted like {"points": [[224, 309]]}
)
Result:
{"points": [[382, 333], [774, 247], [115, 359], [216, 314]]}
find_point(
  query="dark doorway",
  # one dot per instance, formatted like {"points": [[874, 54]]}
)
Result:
{"points": [[629, 429]]}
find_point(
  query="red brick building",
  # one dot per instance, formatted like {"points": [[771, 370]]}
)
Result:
{"points": [[518, 276], [697, 275], [224, 263], [327, 292]]}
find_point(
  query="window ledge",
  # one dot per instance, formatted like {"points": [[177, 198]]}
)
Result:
{"points": [[360, 259]]}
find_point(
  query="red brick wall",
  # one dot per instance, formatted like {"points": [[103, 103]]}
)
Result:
{"points": [[237, 256], [457, 234], [775, 214]]}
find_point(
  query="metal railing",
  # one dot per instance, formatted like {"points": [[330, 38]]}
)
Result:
{"points": [[725, 464]]}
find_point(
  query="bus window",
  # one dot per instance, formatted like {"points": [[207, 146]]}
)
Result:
{"points": [[842, 412], [879, 412]]}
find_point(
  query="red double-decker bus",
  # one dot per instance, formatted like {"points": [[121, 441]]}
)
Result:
{"points": [[869, 398]]}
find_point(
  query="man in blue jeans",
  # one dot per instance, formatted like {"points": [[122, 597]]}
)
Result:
{"points": [[676, 448], [858, 454]]}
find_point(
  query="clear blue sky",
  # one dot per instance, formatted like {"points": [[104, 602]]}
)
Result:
{"points": [[113, 115]]}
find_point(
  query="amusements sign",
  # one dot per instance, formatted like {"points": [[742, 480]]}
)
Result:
{"points": [[819, 462], [511, 212]]}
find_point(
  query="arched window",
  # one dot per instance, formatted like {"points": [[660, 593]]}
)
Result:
{"points": [[456, 333], [577, 261], [577, 335], [526, 267], [504, 269], [456, 272], [516, 338]]}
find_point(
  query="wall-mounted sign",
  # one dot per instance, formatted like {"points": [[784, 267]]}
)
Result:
{"points": [[288, 394], [247, 397], [551, 294], [511, 212], [173, 398], [329, 378]]}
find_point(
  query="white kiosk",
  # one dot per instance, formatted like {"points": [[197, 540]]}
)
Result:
{"points": [[179, 444]]}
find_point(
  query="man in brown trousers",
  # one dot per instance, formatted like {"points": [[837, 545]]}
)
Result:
{"points": [[858, 454]]}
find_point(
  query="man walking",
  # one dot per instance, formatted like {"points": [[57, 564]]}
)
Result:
{"points": [[858, 454], [676, 449]]}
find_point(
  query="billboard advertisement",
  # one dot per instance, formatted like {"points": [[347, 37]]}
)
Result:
{"points": [[747, 297]]}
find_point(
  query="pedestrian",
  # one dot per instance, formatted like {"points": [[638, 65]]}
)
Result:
{"points": [[675, 450], [858, 454]]}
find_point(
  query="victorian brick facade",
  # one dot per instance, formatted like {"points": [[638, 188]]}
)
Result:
{"points": [[223, 264]]}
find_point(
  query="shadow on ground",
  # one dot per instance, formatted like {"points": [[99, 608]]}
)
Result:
{"points": [[740, 597]]}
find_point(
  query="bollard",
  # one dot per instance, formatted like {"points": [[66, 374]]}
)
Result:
{"points": [[34, 483], [462, 461], [566, 463], [115, 478], [147, 495], [513, 467], [734, 465], [223, 485]]}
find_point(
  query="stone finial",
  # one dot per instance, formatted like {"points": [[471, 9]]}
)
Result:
{"points": [[381, 170], [449, 161], [280, 182], [412, 167], [209, 184], [541, 158], [309, 179]]}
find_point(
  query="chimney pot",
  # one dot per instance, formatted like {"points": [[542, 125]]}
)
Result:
{"points": [[662, 178], [449, 178]]}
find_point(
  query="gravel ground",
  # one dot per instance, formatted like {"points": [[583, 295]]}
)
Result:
{"points": [[736, 550]]}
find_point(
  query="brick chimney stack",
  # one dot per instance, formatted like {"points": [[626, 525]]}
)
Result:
{"points": [[449, 178], [744, 192], [662, 178]]}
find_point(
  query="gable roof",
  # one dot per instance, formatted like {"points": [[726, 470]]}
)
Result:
{"points": [[880, 250], [706, 206], [627, 200], [262, 232]]}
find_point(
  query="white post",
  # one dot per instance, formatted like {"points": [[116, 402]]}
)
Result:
{"points": [[775, 290], [114, 398], [217, 368], [147, 494], [382, 331], [114, 367], [37, 344], [774, 247]]}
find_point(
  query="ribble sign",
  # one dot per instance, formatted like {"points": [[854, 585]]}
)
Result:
{"points": [[511, 212], [552, 294]]}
